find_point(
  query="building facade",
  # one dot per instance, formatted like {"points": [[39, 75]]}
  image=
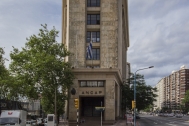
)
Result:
{"points": [[98, 79], [158, 104], [174, 88]]}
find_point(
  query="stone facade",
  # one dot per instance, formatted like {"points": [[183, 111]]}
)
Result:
{"points": [[114, 41]]}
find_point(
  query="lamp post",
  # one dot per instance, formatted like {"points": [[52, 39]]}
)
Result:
{"points": [[135, 92], [57, 78]]}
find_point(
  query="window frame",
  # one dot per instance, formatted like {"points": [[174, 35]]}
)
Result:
{"points": [[92, 83], [93, 19], [96, 53], [93, 3], [95, 37]]}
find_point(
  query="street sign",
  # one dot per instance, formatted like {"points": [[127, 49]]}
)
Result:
{"points": [[129, 118], [99, 108]]}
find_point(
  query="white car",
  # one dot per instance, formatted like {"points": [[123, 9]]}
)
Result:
{"points": [[179, 115], [28, 123], [34, 122], [39, 121]]}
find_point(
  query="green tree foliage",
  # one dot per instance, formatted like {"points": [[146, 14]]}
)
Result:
{"points": [[185, 102], [186, 97], [145, 95], [37, 66], [5, 79]]}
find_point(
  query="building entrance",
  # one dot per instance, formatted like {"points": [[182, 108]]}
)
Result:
{"points": [[88, 105]]}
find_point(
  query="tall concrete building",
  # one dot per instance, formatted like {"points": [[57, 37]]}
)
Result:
{"points": [[98, 77], [158, 104], [174, 88]]}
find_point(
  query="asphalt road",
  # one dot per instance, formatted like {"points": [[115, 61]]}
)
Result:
{"points": [[149, 120]]}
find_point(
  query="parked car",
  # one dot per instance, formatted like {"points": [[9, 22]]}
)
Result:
{"points": [[179, 115], [39, 121], [137, 116], [34, 122], [28, 123], [171, 114]]}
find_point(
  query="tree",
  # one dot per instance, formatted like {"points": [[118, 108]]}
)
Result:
{"points": [[186, 97], [5, 78], [145, 95], [37, 66], [185, 102]]}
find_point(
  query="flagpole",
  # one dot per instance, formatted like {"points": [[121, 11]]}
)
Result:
{"points": [[91, 49]]}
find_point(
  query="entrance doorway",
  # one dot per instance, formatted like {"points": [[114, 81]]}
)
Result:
{"points": [[88, 105]]}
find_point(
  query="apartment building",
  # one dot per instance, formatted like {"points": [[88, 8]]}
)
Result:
{"points": [[96, 33], [174, 88], [160, 93]]}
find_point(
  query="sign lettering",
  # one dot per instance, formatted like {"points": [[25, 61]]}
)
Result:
{"points": [[91, 92]]}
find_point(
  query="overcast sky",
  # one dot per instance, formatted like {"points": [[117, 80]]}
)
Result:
{"points": [[159, 31]]}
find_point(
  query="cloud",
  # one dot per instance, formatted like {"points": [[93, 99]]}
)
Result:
{"points": [[21, 19], [158, 36]]}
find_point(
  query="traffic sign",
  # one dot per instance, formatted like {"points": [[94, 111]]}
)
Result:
{"points": [[99, 108]]}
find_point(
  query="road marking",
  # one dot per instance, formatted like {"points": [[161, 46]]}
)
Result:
{"points": [[171, 124], [155, 123]]}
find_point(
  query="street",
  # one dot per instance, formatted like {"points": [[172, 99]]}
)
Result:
{"points": [[149, 120]]}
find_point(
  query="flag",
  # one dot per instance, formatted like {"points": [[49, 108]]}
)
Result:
{"points": [[87, 56], [89, 51]]}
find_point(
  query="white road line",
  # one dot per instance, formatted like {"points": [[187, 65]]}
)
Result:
{"points": [[171, 124], [155, 123]]}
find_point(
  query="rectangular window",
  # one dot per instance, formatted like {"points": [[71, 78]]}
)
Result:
{"points": [[93, 3], [83, 84], [93, 19], [91, 83], [94, 35], [100, 84], [96, 54]]}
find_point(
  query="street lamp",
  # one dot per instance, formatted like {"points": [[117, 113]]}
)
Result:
{"points": [[135, 92], [57, 78]]}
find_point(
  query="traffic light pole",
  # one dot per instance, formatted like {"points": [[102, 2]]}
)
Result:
{"points": [[76, 102], [135, 93], [77, 117]]}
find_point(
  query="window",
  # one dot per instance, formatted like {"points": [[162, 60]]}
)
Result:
{"points": [[93, 3], [83, 84], [94, 35], [96, 54], [91, 83], [93, 19], [94, 66]]}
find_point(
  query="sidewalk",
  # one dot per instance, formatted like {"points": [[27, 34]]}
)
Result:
{"points": [[121, 122]]}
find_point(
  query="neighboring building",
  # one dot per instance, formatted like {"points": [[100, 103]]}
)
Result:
{"points": [[97, 80], [32, 107], [174, 88], [128, 70], [160, 93]]}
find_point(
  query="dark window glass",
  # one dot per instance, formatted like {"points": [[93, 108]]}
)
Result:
{"points": [[95, 36], [96, 54], [91, 83], [93, 19], [93, 3], [93, 66]]}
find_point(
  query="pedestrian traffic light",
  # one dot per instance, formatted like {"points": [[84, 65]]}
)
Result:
{"points": [[76, 102], [133, 104]]}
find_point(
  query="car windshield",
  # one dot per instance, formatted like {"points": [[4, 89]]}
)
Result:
{"points": [[8, 121]]}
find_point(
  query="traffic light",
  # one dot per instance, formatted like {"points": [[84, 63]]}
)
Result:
{"points": [[133, 104], [76, 102]]}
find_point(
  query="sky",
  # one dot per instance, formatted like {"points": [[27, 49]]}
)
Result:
{"points": [[158, 30]]}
